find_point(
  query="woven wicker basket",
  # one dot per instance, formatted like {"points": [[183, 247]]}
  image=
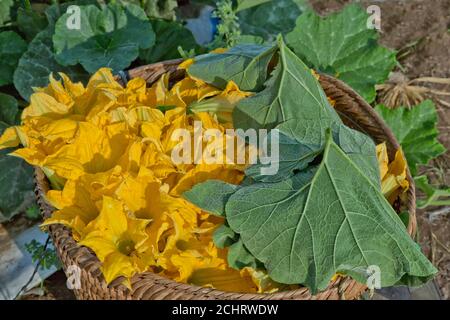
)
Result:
{"points": [[354, 111]]}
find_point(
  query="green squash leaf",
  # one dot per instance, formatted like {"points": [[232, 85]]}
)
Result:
{"points": [[326, 219], [211, 196], [16, 185], [5, 11], [292, 93], [295, 154], [9, 109], [416, 131], [433, 196], [249, 39], [360, 149], [404, 216], [16, 176], [224, 236], [239, 257], [292, 157], [169, 36], [348, 51], [269, 18], [109, 37], [38, 62], [30, 22], [246, 4], [12, 46], [245, 64]]}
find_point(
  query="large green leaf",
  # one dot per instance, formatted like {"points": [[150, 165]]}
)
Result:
{"points": [[246, 4], [5, 11], [343, 46], [416, 131], [9, 110], [291, 157], [212, 196], [297, 151], [169, 36], [239, 257], [38, 62], [325, 213], [269, 18], [30, 22], [16, 185], [292, 93], [360, 149], [224, 236], [108, 37], [249, 39], [245, 64], [326, 219], [200, 195], [16, 176], [12, 46], [296, 105]]}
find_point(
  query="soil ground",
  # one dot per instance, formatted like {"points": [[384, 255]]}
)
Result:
{"points": [[420, 28]]}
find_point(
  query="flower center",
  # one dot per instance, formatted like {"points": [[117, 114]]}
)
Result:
{"points": [[126, 247]]}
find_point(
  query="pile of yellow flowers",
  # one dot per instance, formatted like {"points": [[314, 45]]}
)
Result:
{"points": [[106, 151]]}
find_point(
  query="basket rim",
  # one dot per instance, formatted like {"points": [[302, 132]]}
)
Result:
{"points": [[71, 251]]}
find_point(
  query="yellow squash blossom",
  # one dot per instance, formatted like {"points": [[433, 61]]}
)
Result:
{"points": [[79, 202], [191, 90], [393, 175], [203, 172], [118, 241], [92, 150], [9, 139], [160, 95], [186, 64], [140, 195]]}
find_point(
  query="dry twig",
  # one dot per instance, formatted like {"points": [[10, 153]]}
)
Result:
{"points": [[400, 91]]}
